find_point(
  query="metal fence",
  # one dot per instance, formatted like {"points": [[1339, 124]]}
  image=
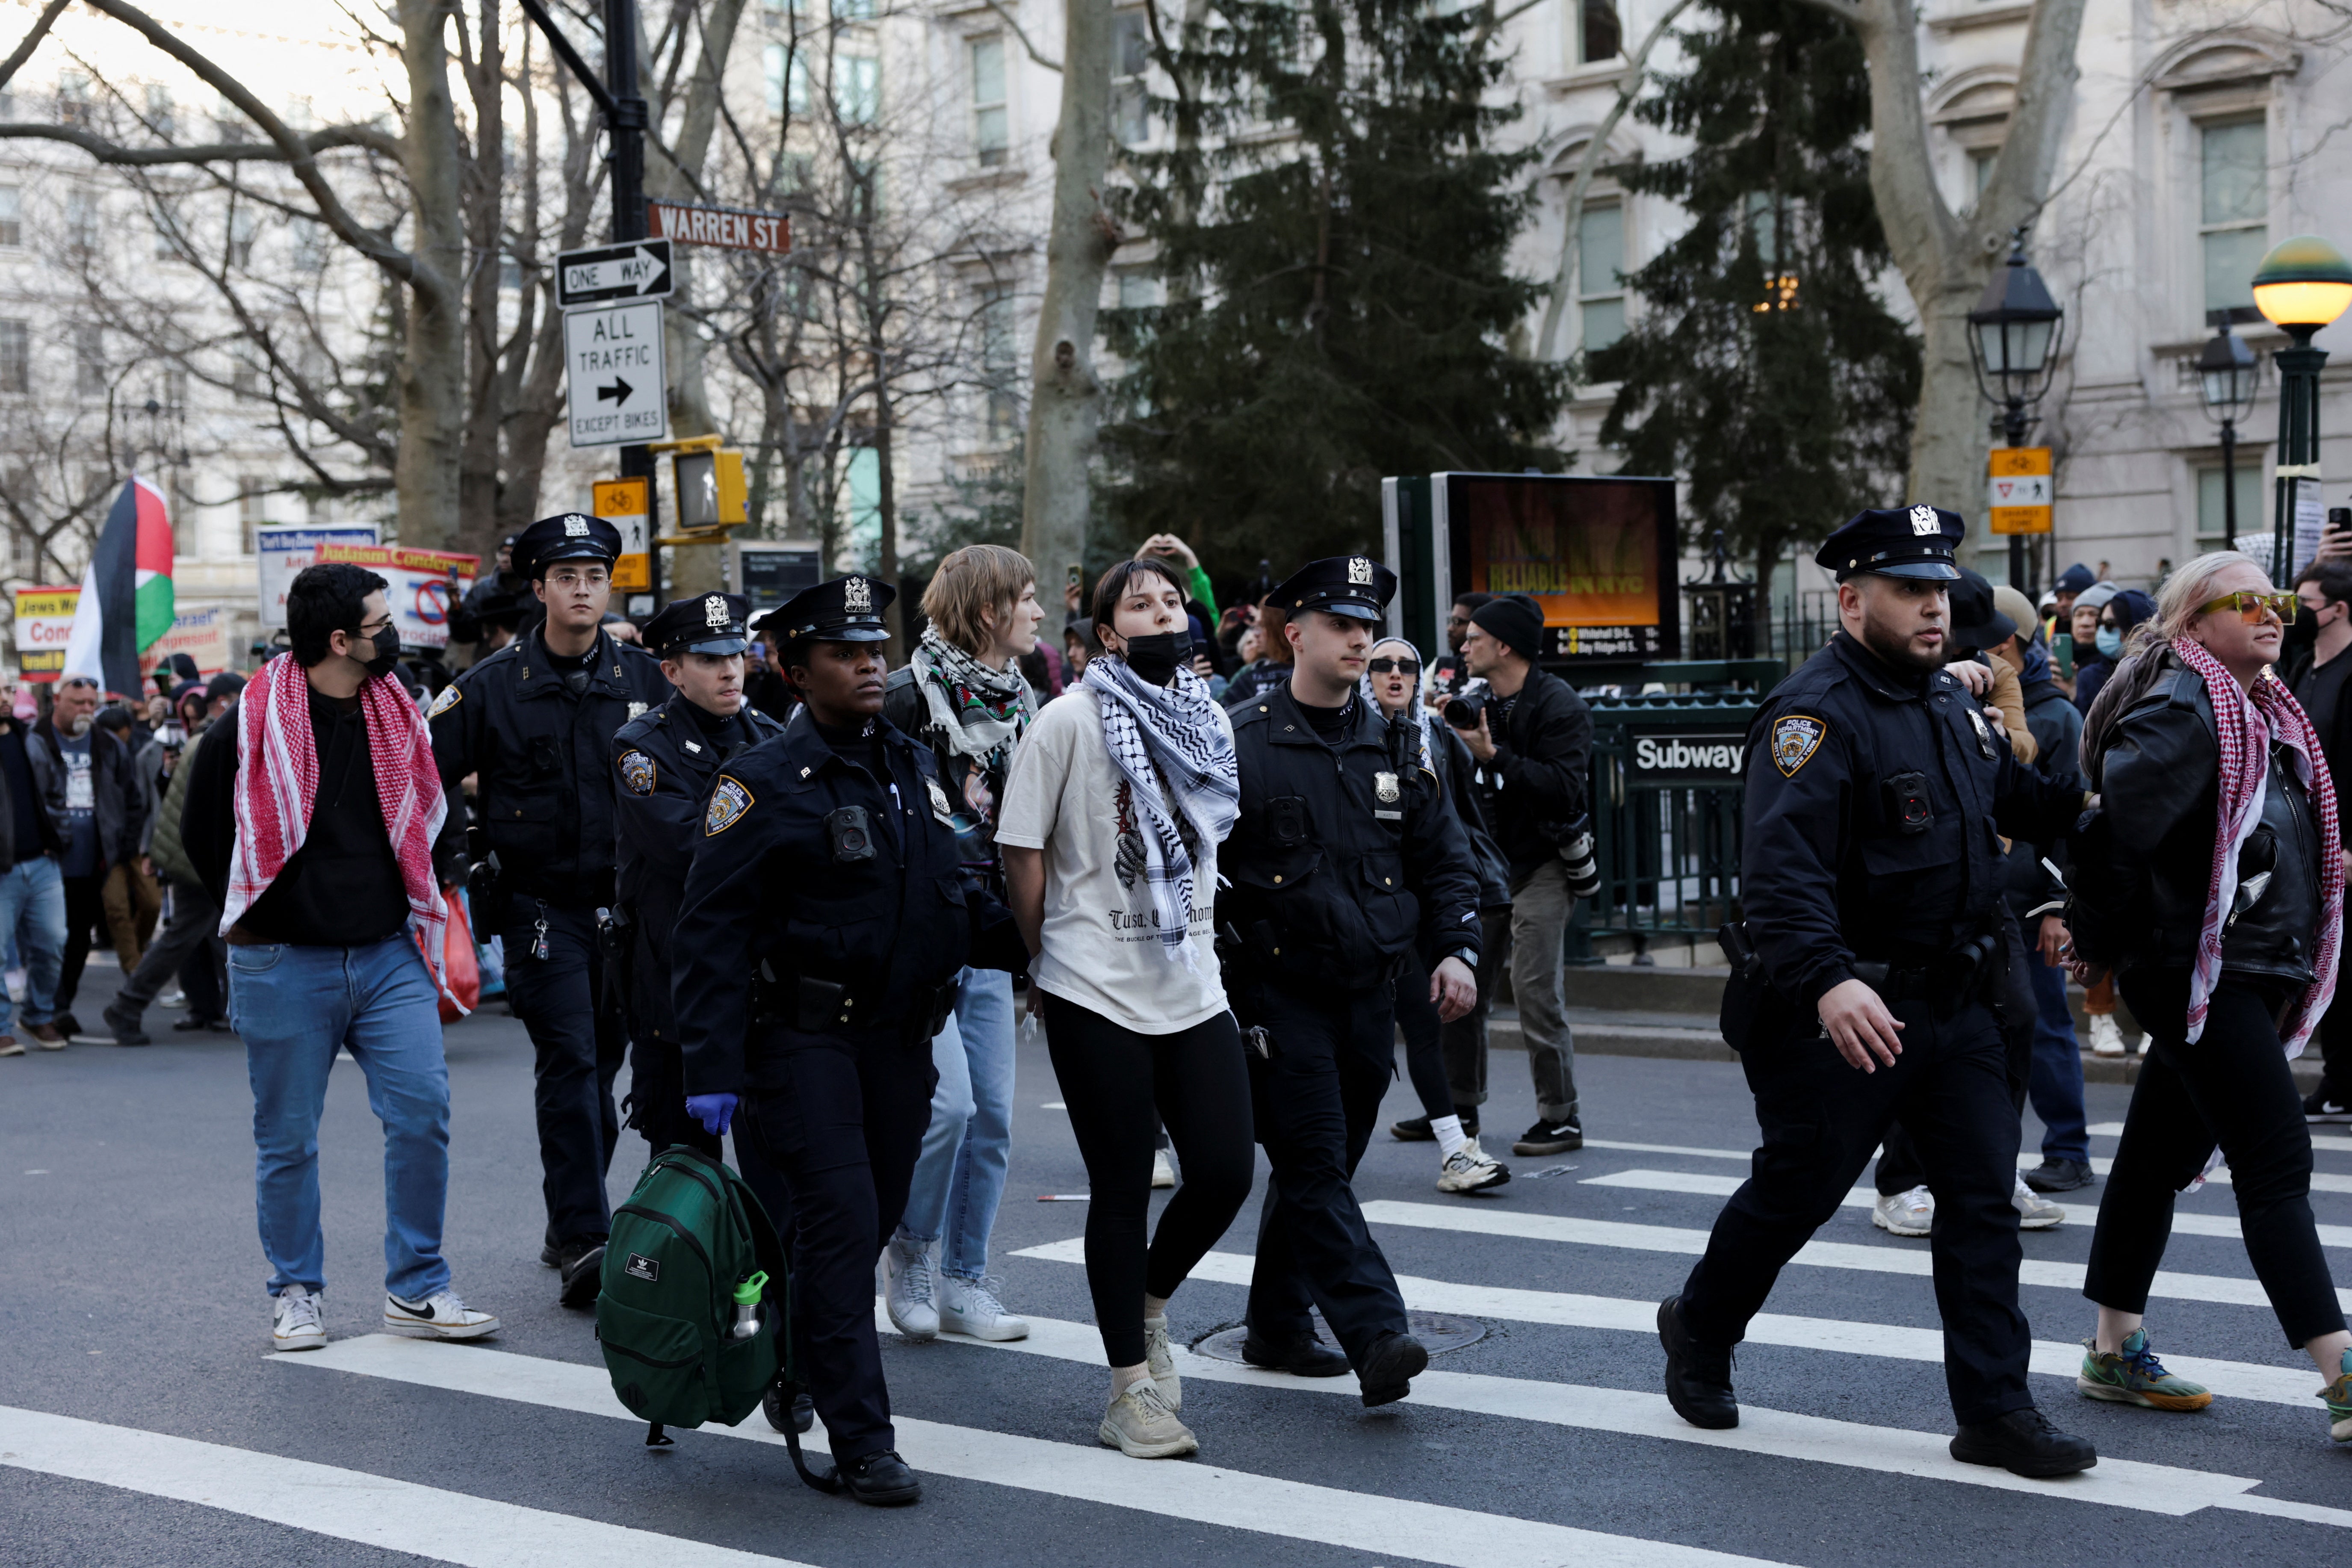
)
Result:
{"points": [[1666, 783]]}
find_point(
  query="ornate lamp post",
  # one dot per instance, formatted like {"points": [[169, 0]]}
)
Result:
{"points": [[2227, 374], [2013, 337], [2302, 285]]}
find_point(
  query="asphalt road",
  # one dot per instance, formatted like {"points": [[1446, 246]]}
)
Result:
{"points": [[133, 1306]]}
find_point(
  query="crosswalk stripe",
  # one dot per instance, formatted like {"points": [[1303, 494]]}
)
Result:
{"points": [[1707, 1183], [348, 1505], [2323, 1182], [2326, 1143], [1203, 1494], [1480, 1220], [1774, 1433]]}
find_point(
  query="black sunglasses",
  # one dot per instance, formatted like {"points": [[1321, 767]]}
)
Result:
{"points": [[1393, 666]]}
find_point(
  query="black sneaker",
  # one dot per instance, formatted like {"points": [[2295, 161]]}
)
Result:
{"points": [[66, 1024], [2059, 1175], [882, 1479], [582, 1267], [2325, 1105], [1390, 1367], [1699, 1377], [1304, 1357], [1550, 1138], [2023, 1443], [122, 1024], [1414, 1129]]}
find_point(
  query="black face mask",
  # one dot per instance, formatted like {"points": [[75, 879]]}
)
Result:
{"points": [[1155, 658], [387, 653]]}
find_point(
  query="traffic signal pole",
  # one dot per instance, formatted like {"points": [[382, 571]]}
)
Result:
{"points": [[623, 108]]}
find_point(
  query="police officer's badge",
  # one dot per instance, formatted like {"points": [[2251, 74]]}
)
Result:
{"points": [[637, 772], [1795, 739], [637, 707], [1385, 787], [728, 802], [939, 806], [1359, 571], [450, 697], [1984, 735], [1925, 523], [714, 611], [575, 527], [856, 596]]}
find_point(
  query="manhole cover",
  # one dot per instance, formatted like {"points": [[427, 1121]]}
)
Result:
{"points": [[1437, 1331]]}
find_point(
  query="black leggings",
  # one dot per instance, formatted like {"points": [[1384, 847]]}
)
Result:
{"points": [[2231, 1087], [1114, 1080], [1424, 1041]]}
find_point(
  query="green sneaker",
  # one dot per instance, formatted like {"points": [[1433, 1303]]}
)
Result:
{"points": [[2338, 1395], [2134, 1376]]}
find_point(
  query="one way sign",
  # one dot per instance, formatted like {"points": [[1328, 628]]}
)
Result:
{"points": [[634, 269], [613, 364]]}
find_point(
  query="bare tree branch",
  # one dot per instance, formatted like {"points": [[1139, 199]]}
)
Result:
{"points": [[114, 152], [1013, 21], [32, 40]]}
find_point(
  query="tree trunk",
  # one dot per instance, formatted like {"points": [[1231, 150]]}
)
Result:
{"points": [[477, 466], [1066, 394], [432, 376], [1945, 260]]}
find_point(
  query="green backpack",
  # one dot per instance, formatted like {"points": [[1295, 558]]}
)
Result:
{"points": [[695, 1300]]}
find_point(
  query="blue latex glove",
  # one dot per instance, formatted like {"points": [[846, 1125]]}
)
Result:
{"points": [[713, 1111]]}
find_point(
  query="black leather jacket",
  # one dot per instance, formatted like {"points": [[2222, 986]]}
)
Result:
{"points": [[2143, 879]]}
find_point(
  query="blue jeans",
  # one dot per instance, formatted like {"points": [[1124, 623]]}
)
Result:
{"points": [[2057, 1082], [295, 1006], [33, 914], [960, 1176]]}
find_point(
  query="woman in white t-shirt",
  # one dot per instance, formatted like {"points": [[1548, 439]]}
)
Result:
{"points": [[1120, 794]]}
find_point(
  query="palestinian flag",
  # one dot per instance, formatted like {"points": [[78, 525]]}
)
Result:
{"points": [[126, 591]]}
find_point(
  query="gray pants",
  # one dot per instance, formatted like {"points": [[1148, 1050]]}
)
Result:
{"points": [[1540, 908], [1464, 1040], [195, 922]]}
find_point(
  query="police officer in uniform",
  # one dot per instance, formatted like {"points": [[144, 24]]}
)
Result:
{"points": [[535, 722], [827, 902], [1871, 877], [1344, 862], [664, 762]]}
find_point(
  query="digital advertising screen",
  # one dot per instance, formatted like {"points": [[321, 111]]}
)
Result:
{"points": [[1596, 555]]}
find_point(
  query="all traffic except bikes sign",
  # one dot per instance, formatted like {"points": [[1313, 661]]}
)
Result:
{"points": [[615, 375]]}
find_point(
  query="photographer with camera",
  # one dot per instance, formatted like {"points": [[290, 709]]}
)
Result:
{"points": [[1532, 735]]}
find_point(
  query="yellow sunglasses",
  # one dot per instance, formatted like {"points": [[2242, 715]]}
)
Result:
{"points": [[2249, 606]]}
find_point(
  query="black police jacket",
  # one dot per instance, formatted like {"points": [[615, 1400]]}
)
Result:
{"points": [[663, 765], [2141, 884], [542, 760], [1343, 858], [1873, 811], [812, 868]]}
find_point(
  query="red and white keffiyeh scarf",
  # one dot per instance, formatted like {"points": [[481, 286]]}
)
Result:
{"points": [[277, 784], [2244, 723]]}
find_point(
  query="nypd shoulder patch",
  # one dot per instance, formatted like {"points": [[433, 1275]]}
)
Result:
{"points": [[728, 802], [637, 772], [451, 695], [1795, 739]]}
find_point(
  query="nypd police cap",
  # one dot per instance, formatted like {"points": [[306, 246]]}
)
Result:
{"points": [[571, 536], [847, 609], [699, 623], [1906, 541], [1354, 585]]}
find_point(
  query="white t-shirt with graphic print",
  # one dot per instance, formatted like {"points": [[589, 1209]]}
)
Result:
{"points": [[1101, 940]]}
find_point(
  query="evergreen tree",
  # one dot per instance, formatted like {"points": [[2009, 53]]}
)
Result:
{"points": [[1332, 228], [1765, 366]]}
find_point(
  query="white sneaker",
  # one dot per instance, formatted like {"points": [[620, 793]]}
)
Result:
{"points": [[1139, 1425], [907, 1287], [2034, 1212], [1471, 1169], [440, 1316], [1161, 1360], [970, 1307], [294, 1320], [2106, 1037], [174, 998], [1163, 1175], [1906, 1214]]}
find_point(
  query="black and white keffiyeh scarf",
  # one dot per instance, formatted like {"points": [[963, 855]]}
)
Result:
{"points": [[980, 711], [1416, 712], [1169, 735]]}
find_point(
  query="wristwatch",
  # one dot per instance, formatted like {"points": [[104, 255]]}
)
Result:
{"points": [[1469, 958]]}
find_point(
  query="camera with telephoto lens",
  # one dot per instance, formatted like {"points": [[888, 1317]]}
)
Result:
{"points": [[1574, 840], [1462, 711]]}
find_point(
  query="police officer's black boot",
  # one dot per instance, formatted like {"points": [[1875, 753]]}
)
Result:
{"points": [[1390, 1367], [581, 1264], [2023, 1443], [1305, 1356], [882, 1479], [1699, 1377]]}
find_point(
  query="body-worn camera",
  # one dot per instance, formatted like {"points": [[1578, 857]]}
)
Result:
{"points": [[845, 829]]}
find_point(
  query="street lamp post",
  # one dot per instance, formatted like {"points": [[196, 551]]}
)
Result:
{"points": [[2302, 285], [2227, 373], [2013, 336]]}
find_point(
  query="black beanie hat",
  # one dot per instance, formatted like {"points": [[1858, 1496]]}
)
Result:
{"points": [[1515, 622]]}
